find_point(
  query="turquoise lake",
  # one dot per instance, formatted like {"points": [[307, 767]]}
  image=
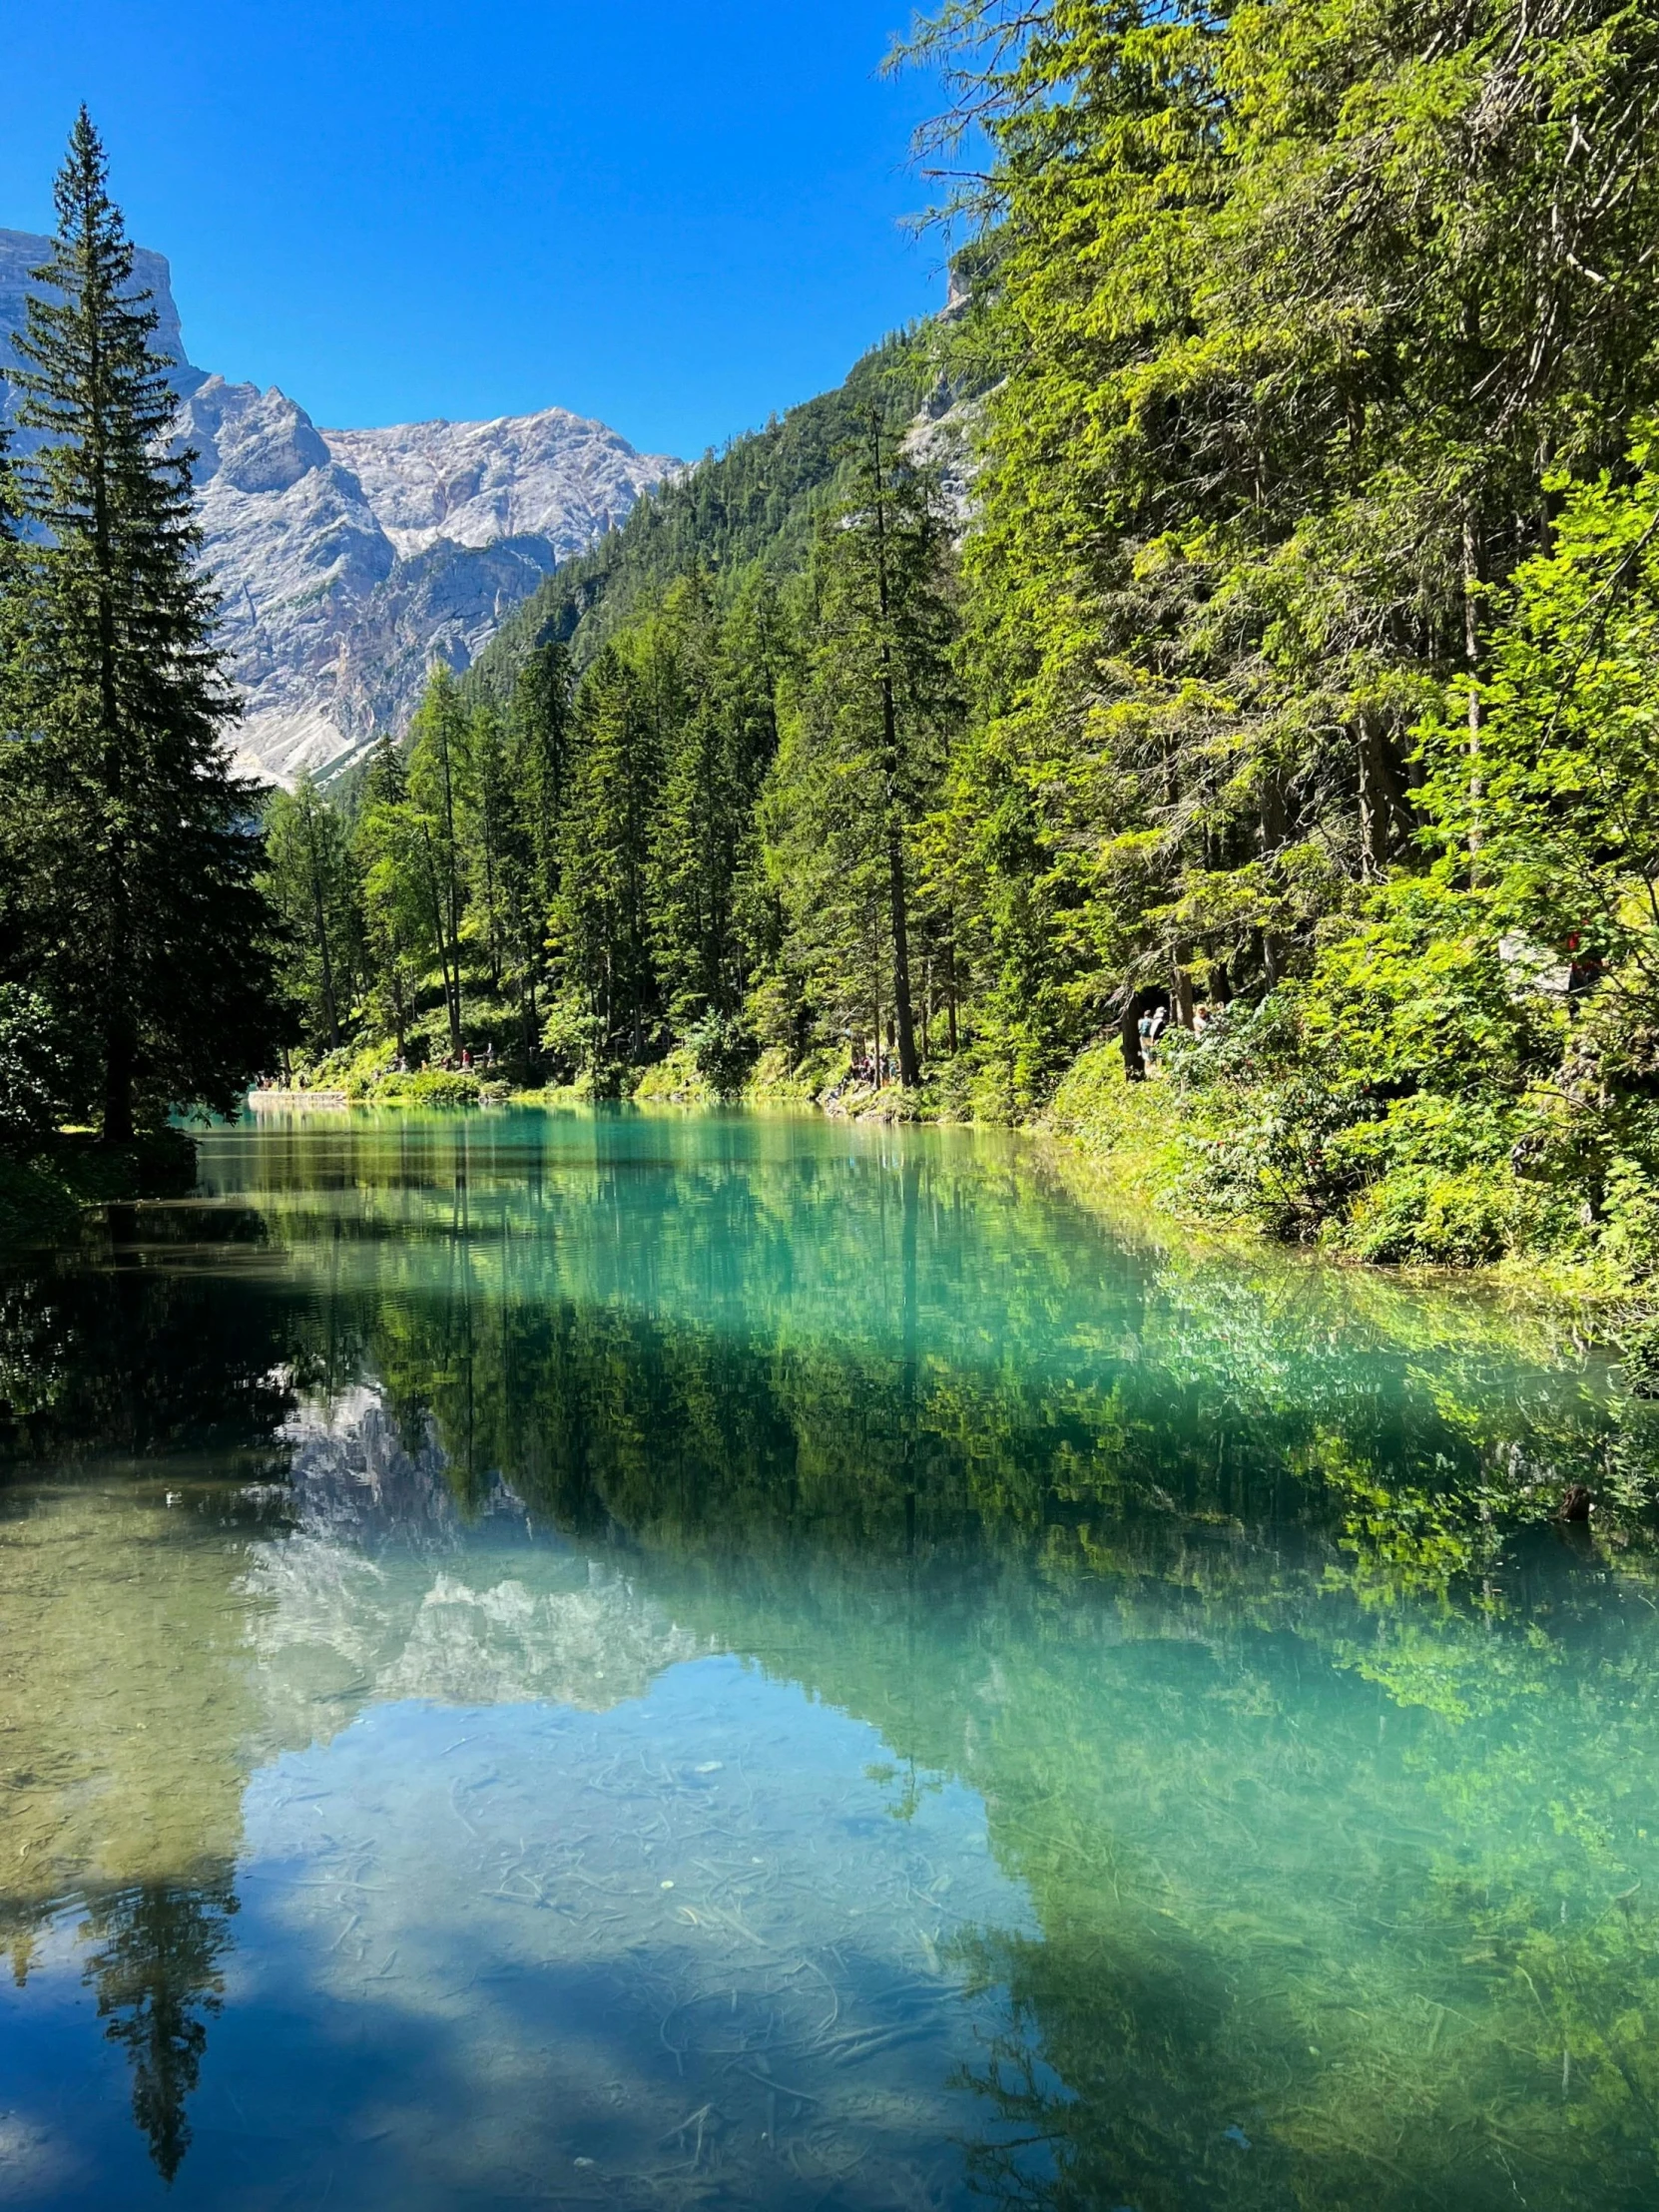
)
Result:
{"points": [[665, 1661]]}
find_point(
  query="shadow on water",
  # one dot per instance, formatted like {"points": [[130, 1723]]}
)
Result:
{"points": [[1327, 1762]]}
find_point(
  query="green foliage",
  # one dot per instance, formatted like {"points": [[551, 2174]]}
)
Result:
{"points": [[432, 1088], [714, 679], [313, 885], [400, 916], [440, 768], [722, 1053], [601, 919], [1285, 319], [865, 749], [131, 903], [35, 1079]]}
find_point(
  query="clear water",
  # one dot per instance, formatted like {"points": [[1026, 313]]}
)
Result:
{"points": [[733, 1661]]}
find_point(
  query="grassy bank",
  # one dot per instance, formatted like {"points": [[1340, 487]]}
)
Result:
{"points": [[1204, 1162]]}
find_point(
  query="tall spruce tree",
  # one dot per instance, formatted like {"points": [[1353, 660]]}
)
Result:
{"points": [[311, 882], [718, 742], [144, 923], [402, 924], [10, 513], [488, 828], [13, 836], [864, 761], [539, 741], [439, 766], [601, 921]]}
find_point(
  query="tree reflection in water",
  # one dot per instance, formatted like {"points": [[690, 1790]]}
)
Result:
{"points": [[1231, 1591], [154, 1961], [125, 1367]]}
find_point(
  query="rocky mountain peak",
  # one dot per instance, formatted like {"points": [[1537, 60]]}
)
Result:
{"points": [[248, 440], [349, 561], [552, 475]]}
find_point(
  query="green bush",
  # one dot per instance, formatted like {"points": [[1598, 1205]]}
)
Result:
{"points": [[32, 1089], [676, 1081], [432, 1088], [1630, 1232], [725, 1050], [1423, 1216]]}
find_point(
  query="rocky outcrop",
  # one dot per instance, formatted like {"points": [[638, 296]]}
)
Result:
{"points": [[23, 251], [331, 632], [348, 562], [550, 475]]}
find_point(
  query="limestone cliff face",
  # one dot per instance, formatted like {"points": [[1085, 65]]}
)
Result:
{"points": [[349, 561], [331, 631], [550, 475], [23, 251]]}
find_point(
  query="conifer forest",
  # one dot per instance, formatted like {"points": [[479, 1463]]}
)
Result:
{"points": [[1198, 691]]}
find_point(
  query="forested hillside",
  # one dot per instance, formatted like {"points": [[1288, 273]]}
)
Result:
{"points": [[1277, 698], [753, 503]]}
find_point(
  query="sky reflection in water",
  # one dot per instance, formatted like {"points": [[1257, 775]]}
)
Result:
{"points": [[636, 1660]]}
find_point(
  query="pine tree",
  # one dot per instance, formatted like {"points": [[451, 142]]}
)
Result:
{"points": [[146, 928], [312, 883], [14, 836], [440, 762], [864, 761], [488, 828], [715, 686], [402, 923], [539, 740], [11, 513], [601, 917]]}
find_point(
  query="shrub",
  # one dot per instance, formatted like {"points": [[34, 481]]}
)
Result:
{"points": [[572, 1037], [725, 1050], [435, 1087], [676, 1081], [1631, 1228], [1428, 1217], [32, 1085]]}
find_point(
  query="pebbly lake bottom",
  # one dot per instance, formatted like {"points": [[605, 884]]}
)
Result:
{"points": [[634, 1661]]}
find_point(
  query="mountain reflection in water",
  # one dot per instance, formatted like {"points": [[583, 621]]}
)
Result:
{"points": [[619, 1659]]}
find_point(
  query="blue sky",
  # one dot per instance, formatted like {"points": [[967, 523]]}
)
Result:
{"points": [[678, 215]]}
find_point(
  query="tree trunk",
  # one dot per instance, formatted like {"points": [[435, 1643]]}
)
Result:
{"points": [[119, 1071], [1385, 809], [451, 981], [909, 1071]]}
